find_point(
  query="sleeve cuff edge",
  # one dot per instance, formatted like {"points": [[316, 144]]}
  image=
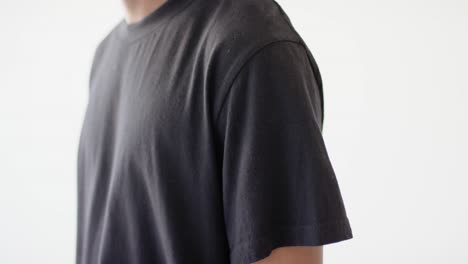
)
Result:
{"points": [[317, 234]]}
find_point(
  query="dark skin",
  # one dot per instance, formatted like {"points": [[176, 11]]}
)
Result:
{"points": [[137, 10], [294, 254]]}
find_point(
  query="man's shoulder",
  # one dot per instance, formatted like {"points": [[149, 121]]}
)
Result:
{"points": [[239, 28], [244, 24]]}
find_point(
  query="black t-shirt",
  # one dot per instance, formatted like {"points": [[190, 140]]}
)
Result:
{"points": [[202, 140]]}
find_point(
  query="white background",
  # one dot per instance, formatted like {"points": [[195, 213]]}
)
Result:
{"points": [[395, 77]]}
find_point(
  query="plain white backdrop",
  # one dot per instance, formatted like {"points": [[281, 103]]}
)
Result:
{"points": [[395, 77]]}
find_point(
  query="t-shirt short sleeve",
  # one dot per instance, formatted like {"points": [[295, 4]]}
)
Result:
{"points": [[279, 187]]}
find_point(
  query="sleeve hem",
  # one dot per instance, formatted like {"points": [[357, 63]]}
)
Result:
{"points": [[255, 249]]}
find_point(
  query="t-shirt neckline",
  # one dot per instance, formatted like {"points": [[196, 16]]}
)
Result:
{"points": [[158, 17]]}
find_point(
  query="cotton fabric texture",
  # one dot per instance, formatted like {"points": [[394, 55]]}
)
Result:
{"points": [[202, 140]]}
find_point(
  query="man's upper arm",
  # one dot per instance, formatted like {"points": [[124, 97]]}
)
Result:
{"points": [[279, 187]]}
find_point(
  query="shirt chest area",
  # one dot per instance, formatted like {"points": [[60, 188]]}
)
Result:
{"points": [[142, 104]]}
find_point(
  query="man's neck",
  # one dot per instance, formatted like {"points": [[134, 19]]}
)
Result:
{"points": [[136, 10]]}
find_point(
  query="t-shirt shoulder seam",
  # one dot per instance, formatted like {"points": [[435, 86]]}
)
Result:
{"points": [[230, 80]]}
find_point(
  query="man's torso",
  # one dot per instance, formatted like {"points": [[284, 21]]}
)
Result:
{"points": [[148, 161]]}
